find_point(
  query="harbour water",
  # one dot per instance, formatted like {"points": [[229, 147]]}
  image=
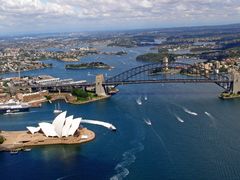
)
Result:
{"points": [[204, 145]]}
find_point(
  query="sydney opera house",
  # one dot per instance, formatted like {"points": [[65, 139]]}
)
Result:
{"points": [[61, 126]]}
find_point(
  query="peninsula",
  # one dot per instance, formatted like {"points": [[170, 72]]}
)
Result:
{"points": [[63, 130], [19, 140]]}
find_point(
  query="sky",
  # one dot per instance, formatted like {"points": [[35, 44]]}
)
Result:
{"points": [[43, 16]]}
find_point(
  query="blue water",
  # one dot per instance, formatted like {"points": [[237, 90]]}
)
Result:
{"points": [[205, 146]]}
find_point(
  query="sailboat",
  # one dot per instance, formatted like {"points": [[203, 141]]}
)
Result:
{"points": [[57, 109]]}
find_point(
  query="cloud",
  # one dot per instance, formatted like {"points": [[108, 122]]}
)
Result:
{"points": [[84, 14]]}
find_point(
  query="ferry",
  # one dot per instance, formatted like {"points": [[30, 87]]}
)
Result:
{"points": [[13, 106]]}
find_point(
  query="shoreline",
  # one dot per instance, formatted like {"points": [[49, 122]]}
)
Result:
{"points": [[63, 96], [19, 140], [89, 101], [227, 97], [27, 70]]}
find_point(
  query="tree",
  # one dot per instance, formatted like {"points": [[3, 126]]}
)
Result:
{"points": [[2, 139], [80, 93], [48, 97]]}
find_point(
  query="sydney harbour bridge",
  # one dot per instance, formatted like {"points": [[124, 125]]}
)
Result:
{"points": [[162, 72]]}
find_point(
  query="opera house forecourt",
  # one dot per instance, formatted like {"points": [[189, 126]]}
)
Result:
{"points": [[63, 130]]}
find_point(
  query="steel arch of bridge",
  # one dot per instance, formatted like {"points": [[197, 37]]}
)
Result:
{"points": [[126, 77]]}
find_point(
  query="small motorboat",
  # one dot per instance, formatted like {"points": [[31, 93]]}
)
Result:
{"points": [[14, 151], [113, 128], [27, 149], [57, 111], [148, 122], [139, 101], [145, 98]]}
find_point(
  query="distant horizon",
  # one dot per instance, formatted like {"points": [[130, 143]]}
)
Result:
{"points": [[58, 16], [113, 30]]}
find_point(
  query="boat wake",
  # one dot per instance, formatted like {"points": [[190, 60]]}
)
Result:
{"points": [[190, 112], [65, 177], [128, 158], [213, 120], [208, 114], [164, 146], [179, 119], [148, 121], [139, 100]]}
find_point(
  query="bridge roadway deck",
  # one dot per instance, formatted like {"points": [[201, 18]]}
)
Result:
{"points": [[167, 81], [136, 82]]}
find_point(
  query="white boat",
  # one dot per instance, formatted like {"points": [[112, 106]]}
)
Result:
{"points": [[145, 98], [148, 122], [14, 151], [57, 110], [27, 149], [179, 119], [113, 128], [139, 101]]}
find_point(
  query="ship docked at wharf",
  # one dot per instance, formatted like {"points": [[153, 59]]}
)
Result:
{"points": [[13, 106]]}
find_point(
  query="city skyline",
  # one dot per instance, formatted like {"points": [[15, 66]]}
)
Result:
{"points": [[45, 16]]}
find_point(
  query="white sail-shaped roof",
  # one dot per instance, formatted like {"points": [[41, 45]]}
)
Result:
{"points": [[59, 122], [48, 129], [33, 129], [67, 125], [74, 126], [60, 127]]}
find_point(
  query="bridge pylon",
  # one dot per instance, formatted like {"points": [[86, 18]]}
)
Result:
{"points": [[235, 87], [99, 88], [165, 63]]}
